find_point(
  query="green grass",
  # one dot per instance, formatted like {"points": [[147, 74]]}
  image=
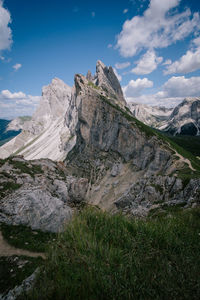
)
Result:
{"points": [[189, 143], [25, 238], [14, 269], [186, 174], [127, 114], [90, 83], [100, 256]]}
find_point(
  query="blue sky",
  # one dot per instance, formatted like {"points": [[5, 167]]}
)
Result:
{"points": [[154, 47]]}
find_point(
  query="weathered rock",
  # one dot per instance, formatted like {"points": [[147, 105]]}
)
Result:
{"points": [[38, 194], [35, 208]]}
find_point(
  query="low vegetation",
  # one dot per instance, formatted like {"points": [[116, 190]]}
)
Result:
{"points": [[24, 237], [100, 256], [14, 269], [189, 143]]}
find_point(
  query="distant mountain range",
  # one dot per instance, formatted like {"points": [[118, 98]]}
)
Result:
{"points": [[184, 119]]}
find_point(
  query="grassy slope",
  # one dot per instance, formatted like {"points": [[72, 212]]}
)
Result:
{"points": [[100, 256], [149, 132], [189, 143], [14, 269]]}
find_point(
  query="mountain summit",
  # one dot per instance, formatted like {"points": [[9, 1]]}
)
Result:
{"points": [[109, 158]]}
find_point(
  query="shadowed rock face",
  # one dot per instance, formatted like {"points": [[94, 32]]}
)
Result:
{"points": [[128, 167]]}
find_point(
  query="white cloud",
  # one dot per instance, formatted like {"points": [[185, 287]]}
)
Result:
{"points": [[5, 31], [110, 45], [93, 14], [122, 65], [181, 87], [156, 28], [187, 63], [17, 104], [125, 10], [172, 92], [167, 62], [6, 94], [119, 77], [147, 64], [196, 41], [17, 66], [135, 87]]}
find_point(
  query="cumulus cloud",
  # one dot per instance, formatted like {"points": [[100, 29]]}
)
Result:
{"points": [[172, 92], [6, 94], [125, 10], [122, 65], [135, 87], [196, 41], [187, 63], [17, 66], [147, 64], [17, 104], [181, 87], [167, 62], [5, 31], [156, 28], [110, 45], [119, 77]]}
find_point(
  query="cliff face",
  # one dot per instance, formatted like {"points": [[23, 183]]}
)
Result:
{"points": [[110, 158], [129, 166], [43, 136]]}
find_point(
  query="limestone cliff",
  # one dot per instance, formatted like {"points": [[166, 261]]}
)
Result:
{"points": [[111, 159], [130, 166], [43, 136]]}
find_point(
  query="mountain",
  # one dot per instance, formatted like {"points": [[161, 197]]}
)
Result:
{"points": [[150, 115], [184, 119], [43, 135], [109, 158], [10, 129]]}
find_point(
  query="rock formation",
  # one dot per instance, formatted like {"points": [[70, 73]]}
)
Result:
{"points": [[183, 119], [38, 193], [111, 159], [44, 135]]}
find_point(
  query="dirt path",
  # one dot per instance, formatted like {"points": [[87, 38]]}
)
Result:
{"points": [[8, 250], [187, 161]]}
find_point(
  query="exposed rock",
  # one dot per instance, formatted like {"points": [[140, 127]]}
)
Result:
{"points": [[18, 123], [111, 146], [38, 194], [183, 119], [112, 160], [46, 134]]}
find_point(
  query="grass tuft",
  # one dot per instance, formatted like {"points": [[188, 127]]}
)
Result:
{"points": [[101, 256]]}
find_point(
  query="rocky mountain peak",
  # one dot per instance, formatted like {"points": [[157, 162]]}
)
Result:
{"points": [[106, 79]]}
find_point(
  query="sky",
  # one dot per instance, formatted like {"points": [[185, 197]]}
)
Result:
{"points": [[153, 46]]}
